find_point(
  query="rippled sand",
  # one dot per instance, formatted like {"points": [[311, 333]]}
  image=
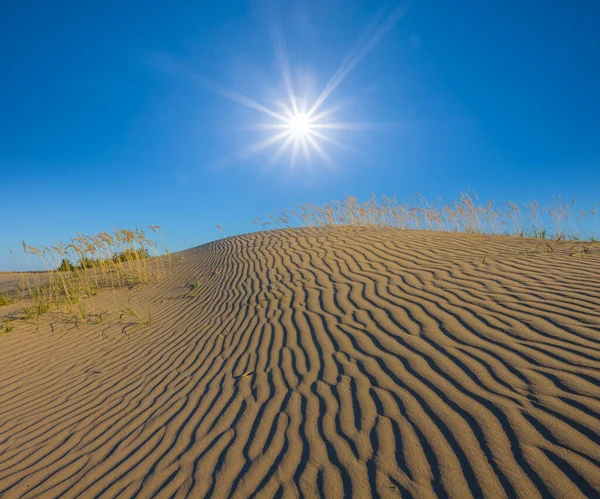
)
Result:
{"points": [[332, 363]]}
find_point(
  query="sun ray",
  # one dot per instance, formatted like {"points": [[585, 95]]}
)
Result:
{"points": [[281, 54], [169, 64], [282, 148], [351, 62], [328, 139], [269, 126], [360, 126], [329, 111], [305, 149], [294, 154], [263, 144], [244, 101], [319, 149]]}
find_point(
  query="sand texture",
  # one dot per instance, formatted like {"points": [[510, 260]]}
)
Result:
{"points": [[318, 363]]}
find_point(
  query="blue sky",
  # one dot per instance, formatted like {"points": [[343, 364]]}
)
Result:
{"points": [[109, 116]]}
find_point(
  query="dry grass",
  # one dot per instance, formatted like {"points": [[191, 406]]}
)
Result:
{"points": [[140, 318], [6, 327], [82, 267], [559, 220]]}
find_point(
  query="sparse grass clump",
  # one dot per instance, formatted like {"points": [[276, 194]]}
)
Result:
{"points": [[4, 300], [195, 288], [82, 267], [141, 319], [6, 327]]}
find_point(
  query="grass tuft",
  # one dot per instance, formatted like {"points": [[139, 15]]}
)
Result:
{"points": [[6, 327], [81, 267], [131, 312], [195, 288]]}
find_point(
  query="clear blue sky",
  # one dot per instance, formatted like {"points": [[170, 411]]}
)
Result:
{"points": [[108, 117]]}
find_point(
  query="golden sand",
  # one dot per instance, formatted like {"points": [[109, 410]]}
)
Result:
{"points": [[313, 363]]}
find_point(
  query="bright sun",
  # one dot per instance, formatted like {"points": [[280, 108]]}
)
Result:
{"points": [[299, 125], [303, 124]]}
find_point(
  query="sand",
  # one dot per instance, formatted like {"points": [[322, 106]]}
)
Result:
{"points": [[338, 363]]}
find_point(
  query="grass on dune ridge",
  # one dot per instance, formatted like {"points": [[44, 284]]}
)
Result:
{"points": [[559, 220], [82, 267]]}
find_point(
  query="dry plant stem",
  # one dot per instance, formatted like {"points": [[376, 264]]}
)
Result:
{"points": [[80, 268], [142, 321], [6, 327]]}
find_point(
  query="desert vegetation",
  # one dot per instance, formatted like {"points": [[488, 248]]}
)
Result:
{"points": [[80, 268], [560, 219]]}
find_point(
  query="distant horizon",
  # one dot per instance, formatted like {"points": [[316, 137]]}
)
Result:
{"points": [[201, 115]]}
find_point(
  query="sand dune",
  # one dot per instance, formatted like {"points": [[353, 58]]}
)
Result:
{"points": [[338, 363]]}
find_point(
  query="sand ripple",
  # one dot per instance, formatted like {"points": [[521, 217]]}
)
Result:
{"points": [[355, 363]]}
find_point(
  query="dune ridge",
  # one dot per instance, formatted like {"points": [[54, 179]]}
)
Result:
{"points": [[319, 362]]}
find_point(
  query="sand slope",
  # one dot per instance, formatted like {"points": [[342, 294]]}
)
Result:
{"points": [[332, 363]]}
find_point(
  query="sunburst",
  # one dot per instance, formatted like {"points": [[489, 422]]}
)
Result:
{"points": [[297, 131], [301, 129], [299, 125]]}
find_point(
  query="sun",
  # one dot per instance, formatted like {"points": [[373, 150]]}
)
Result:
{"points": [[298, 122], [300, 125]]}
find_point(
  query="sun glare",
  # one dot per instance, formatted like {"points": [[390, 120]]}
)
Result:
{"points": [[299, 125], [296, 124]]}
